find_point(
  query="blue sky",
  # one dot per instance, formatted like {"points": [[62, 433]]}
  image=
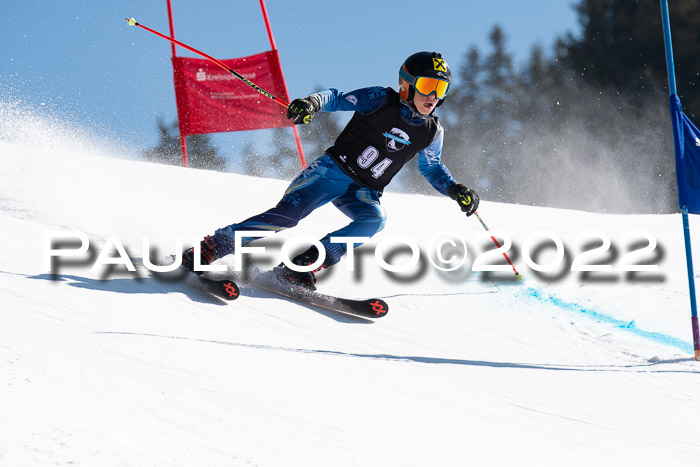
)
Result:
{"points": [[80, 61]]}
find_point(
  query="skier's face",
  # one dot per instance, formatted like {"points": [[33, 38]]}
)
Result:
{"points": [[424, 104]]}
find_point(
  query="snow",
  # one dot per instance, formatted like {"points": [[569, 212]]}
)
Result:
{"points": [[106, 367]]}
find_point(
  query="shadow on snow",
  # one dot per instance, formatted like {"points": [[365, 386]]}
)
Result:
{"points": [[651, 367]]}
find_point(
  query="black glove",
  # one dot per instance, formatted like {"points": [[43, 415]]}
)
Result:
{"points": [[467, 198], [302, 110]]}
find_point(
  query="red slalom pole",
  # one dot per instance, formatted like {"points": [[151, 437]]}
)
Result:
{"points": [[517, 274], [133, 22]]}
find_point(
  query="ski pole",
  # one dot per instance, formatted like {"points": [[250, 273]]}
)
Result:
{"points": [[517, 274], [133, 22]]}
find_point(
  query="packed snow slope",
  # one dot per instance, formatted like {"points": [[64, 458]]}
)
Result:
{"points": [[116, 368]]}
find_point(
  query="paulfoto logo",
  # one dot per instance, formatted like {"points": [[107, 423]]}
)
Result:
{"points": [[593, 252]]}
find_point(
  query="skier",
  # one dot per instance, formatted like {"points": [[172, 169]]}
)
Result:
{"points": [[386, 131]]}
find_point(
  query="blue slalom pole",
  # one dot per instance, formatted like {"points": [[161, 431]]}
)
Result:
{"points": [[691, 284], [670, 68], [684, 209]]}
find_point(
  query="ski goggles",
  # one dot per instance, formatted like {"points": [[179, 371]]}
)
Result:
{"points": [[427, 86]]}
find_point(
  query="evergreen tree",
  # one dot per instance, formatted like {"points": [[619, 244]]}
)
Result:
{"points": [[201, 154], [278, 159], [499, 92], [168, 149], [470, 77], [546, 135], [283, 162], [621, 48], [465, 128], [252, 158], [617, 70]]}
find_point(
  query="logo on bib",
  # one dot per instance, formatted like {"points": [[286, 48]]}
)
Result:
{"points": [[396, 140]]}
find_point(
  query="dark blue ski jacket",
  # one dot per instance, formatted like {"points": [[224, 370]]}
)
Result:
{"points": [[366, 100]]}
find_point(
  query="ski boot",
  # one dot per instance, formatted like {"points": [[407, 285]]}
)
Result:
{"points": [[306, 279], [210, 251]]}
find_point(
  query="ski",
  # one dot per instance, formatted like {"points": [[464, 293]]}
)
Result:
{"points": [[368, 308], [226, 289], [229, 290]]}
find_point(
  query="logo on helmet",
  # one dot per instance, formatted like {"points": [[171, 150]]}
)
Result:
{"points": [[439, 64]]}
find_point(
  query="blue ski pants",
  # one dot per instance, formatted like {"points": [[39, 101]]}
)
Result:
{"points": [[321, 182]]}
